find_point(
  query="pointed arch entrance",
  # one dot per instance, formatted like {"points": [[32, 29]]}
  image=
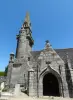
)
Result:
{"points": [[50, 85], [50, 79]]}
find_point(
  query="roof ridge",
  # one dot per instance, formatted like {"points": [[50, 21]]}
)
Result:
{"points": [[65, 49]]}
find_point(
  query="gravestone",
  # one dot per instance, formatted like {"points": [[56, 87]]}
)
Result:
{"points": [[2, 86], [17, 90]]}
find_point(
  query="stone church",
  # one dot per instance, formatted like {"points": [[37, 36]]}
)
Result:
{"points": [[48, 72]]}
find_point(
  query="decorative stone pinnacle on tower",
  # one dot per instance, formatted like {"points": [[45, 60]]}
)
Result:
{"points": [[11, 57]]}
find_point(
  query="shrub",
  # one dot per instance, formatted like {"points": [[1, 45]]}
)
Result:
{"points": [[2, 73], [4, 90], [5, 72]]}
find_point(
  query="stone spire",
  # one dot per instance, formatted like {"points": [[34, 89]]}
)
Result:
{"points": [[26, 22], [27, 19], [24, 38]]}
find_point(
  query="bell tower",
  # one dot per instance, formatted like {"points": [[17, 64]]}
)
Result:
{"points": [[24, 39]]}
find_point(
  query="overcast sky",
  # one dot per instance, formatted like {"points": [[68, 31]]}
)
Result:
{"points": [[51, 20]]}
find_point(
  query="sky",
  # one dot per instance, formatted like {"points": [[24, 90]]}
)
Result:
{"points": [[50, 19]]}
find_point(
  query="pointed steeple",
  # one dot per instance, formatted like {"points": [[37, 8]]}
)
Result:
{"points": [[27, 19], [24, 39], [26, 23]]}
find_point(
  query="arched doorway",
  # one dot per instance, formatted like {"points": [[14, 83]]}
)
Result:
{"points": [[50, 85]]}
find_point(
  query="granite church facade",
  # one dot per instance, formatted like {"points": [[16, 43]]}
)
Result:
{"points": [[48, 72]]}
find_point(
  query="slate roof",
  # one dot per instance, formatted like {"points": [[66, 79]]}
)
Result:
{"points": [[61, 52], [35, 54]]}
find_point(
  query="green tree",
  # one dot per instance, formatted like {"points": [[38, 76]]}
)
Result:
{"points": [[6, 70], [2, 73]]}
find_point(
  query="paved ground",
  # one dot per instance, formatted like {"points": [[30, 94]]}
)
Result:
{"points": [[25, 97], [29, 98]]}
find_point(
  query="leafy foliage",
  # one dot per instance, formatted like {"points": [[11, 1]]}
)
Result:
{"points": [[4, 90], [2, 73], [5, 72]]}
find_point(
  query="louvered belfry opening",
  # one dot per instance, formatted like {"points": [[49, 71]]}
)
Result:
{"points": [[50, 85]]}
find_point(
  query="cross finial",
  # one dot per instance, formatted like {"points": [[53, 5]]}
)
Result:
{"points": [[47, 44], [47, 41]]}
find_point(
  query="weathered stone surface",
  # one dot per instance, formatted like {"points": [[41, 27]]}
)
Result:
{"points": [[17, 90], [41, 62]]}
